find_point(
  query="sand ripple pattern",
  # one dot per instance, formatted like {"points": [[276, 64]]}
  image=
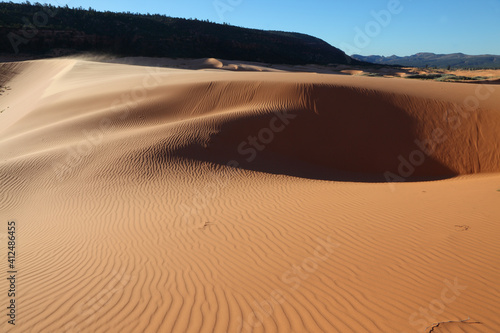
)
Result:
{"points": [[142, 226]]}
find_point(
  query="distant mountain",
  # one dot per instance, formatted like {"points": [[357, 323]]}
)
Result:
{"points": [[455, 60], [44, 30]]}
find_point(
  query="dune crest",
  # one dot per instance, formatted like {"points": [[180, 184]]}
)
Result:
{"points": [[322, 124]]}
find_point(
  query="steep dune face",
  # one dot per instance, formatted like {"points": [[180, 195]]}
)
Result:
{"points": [[139, 208], [312, 129], [351, 129], [270, 123]]}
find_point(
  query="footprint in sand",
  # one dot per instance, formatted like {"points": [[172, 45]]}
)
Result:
{"points": [[461, 227], [206, 225]]}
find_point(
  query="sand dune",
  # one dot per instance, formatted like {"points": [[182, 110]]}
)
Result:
{"points": [[176, 200]]}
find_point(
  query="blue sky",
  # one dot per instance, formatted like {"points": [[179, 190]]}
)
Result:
{"points": [[404, 27]]}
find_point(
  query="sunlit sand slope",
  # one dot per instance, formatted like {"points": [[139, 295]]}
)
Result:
{"points": [[166, 200]]}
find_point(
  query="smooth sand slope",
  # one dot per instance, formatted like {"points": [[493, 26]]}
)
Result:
{"points": [[174, 200]]}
